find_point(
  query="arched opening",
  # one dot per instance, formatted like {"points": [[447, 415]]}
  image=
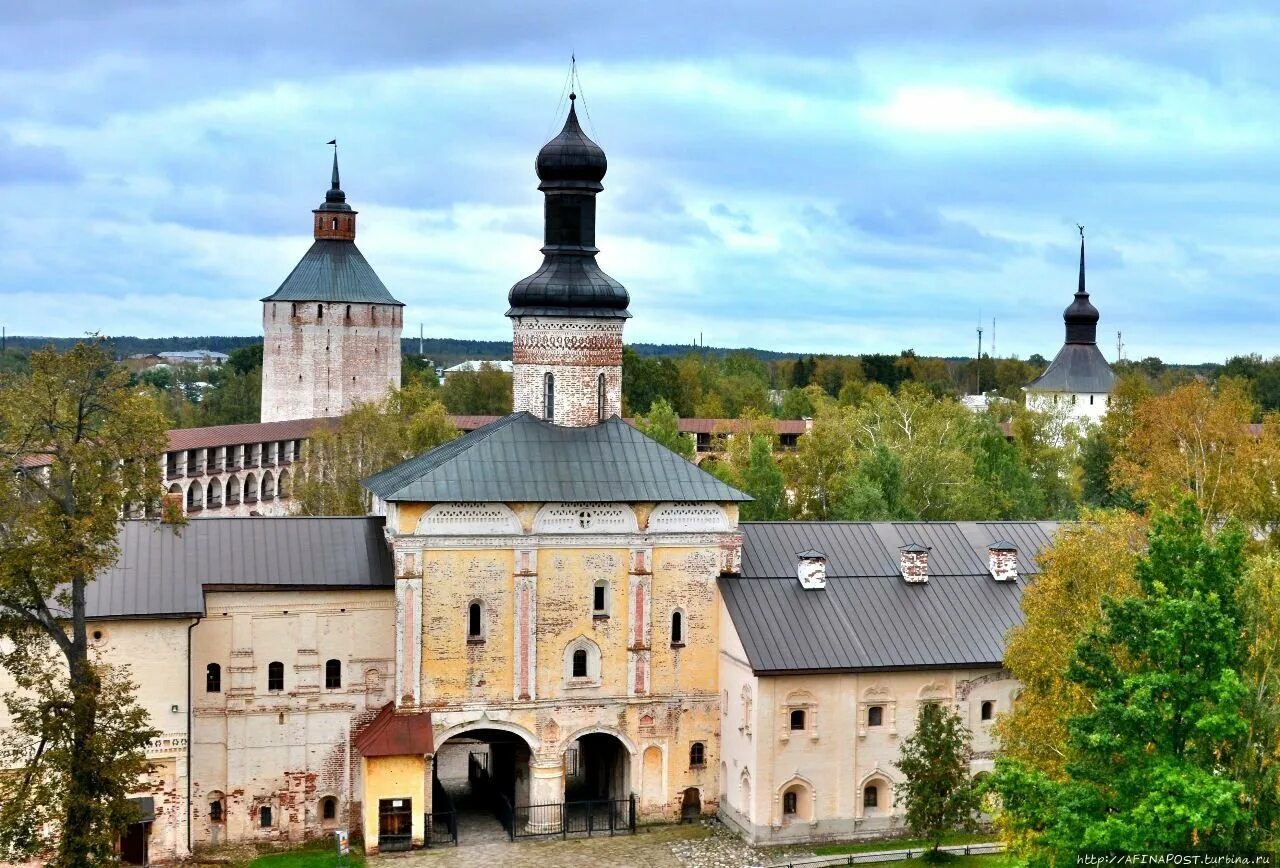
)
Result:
{"points": [[282, 484], [475, 621], [213, 678], [744, 794], [250, 489], [690, 805], [580, 663], [233, 490], [215, 493], [875, 715], [319, 312], [797, 803], [988, 710], [797, 720], [677, 628], [483, 773], [333, 674], [652, 787], [877, 797], [328, 811], [599, 792], [195, 497], [549, 396], [268, 486], [601, 408], [275, 675]]}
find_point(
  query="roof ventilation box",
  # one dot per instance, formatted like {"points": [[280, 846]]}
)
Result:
{"points": [[812, 570], [1002, 558], [913, 562]]}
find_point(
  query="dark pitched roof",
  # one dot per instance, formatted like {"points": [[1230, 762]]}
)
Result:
{"points": [[163, 574], [1076, 368], [333, 270], [868, 618], [392, 734], [523, 458]]}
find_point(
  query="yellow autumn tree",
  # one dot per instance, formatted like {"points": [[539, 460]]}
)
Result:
{"points": [[1086, 561], [1198, 441]]}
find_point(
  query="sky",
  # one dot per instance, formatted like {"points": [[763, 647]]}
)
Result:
{"points": [[847, 177]]}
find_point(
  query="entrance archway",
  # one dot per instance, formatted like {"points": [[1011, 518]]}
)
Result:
{"points": [[479, 774], [691, 805], [601, 766]]}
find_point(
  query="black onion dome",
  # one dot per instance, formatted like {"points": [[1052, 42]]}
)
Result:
{"points": [[569, 286], [334, 198], [1081, 317], [571, 156]]}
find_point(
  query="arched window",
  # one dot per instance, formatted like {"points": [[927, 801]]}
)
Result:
{"points": [[988, 710], [328, 809], [875, 715], [580, 663], [275, 675], [333, 223], [797, 720], [213, 678], [789, 803], [600, 404], [677, 627], [870, 796], [475, 624], [549, 396], [293, 309], [215, 811], [264, 817], [332, 674], [697, 755]]}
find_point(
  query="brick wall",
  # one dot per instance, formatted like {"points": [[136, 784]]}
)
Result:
{"points": [[576, 352], [321, 357]]}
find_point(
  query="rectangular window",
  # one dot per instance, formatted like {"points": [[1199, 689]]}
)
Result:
{"points": [[597, 602]]}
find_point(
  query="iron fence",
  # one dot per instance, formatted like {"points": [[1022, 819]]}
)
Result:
{"points": [[586, 817]]}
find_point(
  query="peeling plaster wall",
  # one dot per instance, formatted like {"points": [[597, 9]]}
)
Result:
{"points": [[285, 749]]}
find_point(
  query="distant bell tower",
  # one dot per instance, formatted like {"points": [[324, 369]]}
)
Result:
{"points": [[331, 332], [567, 317]]}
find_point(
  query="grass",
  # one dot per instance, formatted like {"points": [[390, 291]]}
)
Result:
{"points": [[900, 844], [310, 856]]}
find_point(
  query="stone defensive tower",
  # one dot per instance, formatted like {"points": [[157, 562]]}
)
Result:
{"points": [[331, 332], [567, 317]]}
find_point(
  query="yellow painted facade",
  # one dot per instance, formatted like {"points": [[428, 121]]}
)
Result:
{"points": [[395, 777]]}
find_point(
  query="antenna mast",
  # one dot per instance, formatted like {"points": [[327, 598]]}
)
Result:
{"points": [[1119, 348], [978, 364]]}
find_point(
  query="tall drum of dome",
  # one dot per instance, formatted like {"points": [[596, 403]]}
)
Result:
{"points": [[1078, 381], [567, 316], [331, 332]]}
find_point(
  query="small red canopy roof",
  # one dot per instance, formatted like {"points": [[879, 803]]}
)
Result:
{"points": [[392, 734]]}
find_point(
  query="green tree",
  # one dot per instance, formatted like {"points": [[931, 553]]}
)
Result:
{"points": [[78, 450], [937, 792], [762, 479], [1151, 761], [368, 439], [663, 425], [486, 392]]}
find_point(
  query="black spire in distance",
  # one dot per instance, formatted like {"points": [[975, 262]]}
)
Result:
{"points": [[1081, 317], [334, 198], [569, 283]]}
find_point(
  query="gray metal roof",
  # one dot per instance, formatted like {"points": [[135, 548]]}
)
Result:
{"points": [[867, 618], [333, 270], [1076, 368], [526, 459], [161, 573]]}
